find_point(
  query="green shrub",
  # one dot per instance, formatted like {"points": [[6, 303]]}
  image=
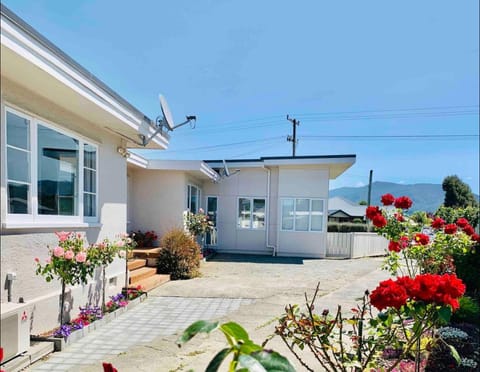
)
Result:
{"points": [[466, 268], [332, 227], [180, 256], [358, 220], [450, 215], [346, 227], [469, 311]]}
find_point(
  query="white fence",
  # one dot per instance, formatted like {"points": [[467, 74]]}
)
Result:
{"points": [[355, 245]]}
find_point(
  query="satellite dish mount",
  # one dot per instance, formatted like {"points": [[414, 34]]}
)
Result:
{"points": [[225, 172], [165, 121]]}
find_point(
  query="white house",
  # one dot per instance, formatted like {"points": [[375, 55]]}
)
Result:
{"points": [[62, 135], [271, 205], [343, 210]]}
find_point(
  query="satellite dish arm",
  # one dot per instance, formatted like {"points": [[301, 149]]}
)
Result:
{"points": [[161, 124]]}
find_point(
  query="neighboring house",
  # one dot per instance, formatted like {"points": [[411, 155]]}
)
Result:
{"points": [[271, 205], [63, 133], [343, 210]]}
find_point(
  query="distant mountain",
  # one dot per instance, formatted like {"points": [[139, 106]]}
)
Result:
{"points": [[426, 196]]}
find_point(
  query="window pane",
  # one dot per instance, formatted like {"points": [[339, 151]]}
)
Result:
{"points": [[301, 214], [193, 199], [18, 131], [244, 210], [57, 172], [317, 206], [287, 214], [89, 156], [212, 210], [89, 205], [18, 168], [89, 181], [258, 214], [317, 215], [18, 196]]}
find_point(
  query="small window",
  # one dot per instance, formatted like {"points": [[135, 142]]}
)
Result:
{"points": [[302, 214], [193, 198], [89, 180], [251, 213]]}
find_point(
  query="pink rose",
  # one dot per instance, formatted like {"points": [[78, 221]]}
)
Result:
{"points": [[121, 254], [48, 260], [58, 252], [69, 255], [81, 257], [124, 235], [120, 243], [201, 211], [37, 260], [62, 235]]}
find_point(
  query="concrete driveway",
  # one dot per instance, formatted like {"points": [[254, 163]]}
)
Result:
{"points": [[251, 290]]}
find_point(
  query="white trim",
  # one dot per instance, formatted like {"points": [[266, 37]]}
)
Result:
{"points": [[45, 225], [137, 160], [251, 198]]}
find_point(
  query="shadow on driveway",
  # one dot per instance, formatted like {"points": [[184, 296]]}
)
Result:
{"points": [[260, 259]]}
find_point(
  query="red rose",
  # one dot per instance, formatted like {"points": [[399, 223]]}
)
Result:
{"points": [[462, 222], [399, 217], [438, 223], [451, 228], [476, 238], [409, 284], [388, 199], [388, 294], [425, 287], [403, 202], [372, 211], [469, 230], [421, 239], [394, 246], [404, 242], [379, 221]]}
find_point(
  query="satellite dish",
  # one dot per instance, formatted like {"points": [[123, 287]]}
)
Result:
{"points": [[167, 115]]}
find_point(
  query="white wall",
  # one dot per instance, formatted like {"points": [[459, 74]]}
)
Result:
{"points": [[20, 247], [157, 199], [307, 182]]}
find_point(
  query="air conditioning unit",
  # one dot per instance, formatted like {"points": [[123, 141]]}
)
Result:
{"points": [[15, 329]]}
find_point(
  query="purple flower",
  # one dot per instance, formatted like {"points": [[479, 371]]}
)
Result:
{"points": [[64, 331]]}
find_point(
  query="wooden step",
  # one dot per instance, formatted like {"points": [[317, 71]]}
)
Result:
{"points": [[146, 253], [136, 263], [153, 281], [142, 273]]}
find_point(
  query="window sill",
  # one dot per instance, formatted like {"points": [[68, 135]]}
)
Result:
{"points": [[51, 225]]}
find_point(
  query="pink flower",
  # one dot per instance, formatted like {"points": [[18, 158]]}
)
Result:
{"points": [[69, 255], [62, 235], [79, 236], [120, 243], [124, 235], [81, 257], [201, 211], [58, 252], [48, 260], [37, 260]]}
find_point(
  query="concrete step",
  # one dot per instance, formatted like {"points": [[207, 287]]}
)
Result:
{"points": [[145, 253], [140, 274], [136, 263], [36, 351], [153, 281]]}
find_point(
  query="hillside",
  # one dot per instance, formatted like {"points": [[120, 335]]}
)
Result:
{"points": [[425, 196]]}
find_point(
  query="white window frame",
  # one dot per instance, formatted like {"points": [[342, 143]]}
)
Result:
{"points": [[251, 198], [309, 230], [199, 194], [33, 218]]}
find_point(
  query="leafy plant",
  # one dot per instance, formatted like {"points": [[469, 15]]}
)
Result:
{"points": [[180, 255], [246, 355], [469, 311], [197, 223], [144, 239]]}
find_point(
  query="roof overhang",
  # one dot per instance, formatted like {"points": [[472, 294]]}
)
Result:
{"points": [[34, 63], [337, 164]]}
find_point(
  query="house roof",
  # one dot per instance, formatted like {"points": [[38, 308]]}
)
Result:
{"points": [[29, 59], [337, 163], [348, 207]]}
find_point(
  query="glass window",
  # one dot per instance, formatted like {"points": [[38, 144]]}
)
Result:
{"points": [[316, 219], [89, 180], [18, 164], [57, 173], [244, 213], [287, 214], [302, 214], [193, 196], [258, 215]]}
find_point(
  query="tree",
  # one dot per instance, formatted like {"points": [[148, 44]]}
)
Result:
{"points": [[457, 193], [362, 202]]}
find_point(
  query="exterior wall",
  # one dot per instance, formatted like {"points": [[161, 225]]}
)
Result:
{"points": [[158, 199], [308, 182], [249, 182], [19, 247]]}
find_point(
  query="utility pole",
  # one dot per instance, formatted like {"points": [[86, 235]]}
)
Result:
{"points": [[370, 187], [293, 138]]}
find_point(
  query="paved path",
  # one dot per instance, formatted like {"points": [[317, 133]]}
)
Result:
{"points": [[250, 290]]}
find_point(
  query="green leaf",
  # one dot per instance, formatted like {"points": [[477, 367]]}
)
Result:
{"points": [[249, 347], [215, 363], [235, 331], [273, 361], [445, 313], [455, 354], [200, 326], [250, 363]]}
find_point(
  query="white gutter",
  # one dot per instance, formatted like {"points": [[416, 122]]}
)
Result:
{"points": [[137, 160], [267, 213]]}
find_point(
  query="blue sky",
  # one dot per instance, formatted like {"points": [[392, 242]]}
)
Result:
{"points": [[350, 68]]}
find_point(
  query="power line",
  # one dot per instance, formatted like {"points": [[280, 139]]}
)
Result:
{"points": [[407, 136]]}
